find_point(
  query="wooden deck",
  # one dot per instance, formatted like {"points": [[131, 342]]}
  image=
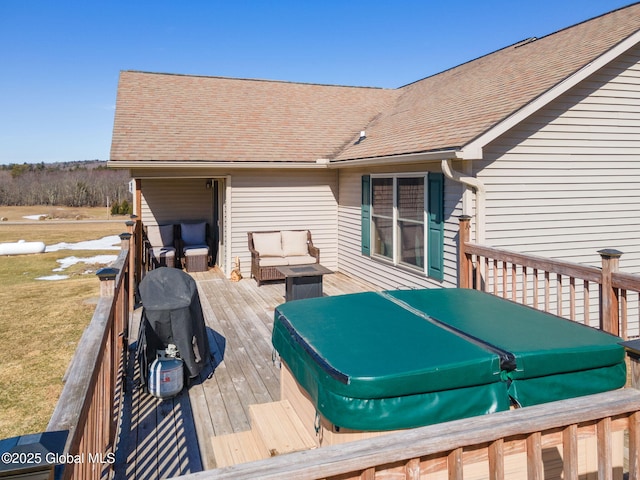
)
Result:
{"points": [[163, 439]]}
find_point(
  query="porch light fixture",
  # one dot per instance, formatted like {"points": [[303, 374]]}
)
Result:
{"points": [[209, 184]]}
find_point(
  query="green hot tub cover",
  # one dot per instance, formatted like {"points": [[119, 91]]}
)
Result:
{"points": [[369, 364], [402, 359], [554, 358]]}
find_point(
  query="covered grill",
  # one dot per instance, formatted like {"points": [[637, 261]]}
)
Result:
{"points": [[172, 314]]}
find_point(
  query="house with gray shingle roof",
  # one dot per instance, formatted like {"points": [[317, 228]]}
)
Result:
{"points": [[538, 142]]}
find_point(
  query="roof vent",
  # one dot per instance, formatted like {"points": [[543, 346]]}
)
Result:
{"points": [[524, 42], [363, 136]]}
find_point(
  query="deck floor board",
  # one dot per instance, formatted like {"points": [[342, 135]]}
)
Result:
{"points": [[166, 438]]}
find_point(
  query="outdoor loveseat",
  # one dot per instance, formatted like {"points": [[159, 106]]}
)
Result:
{"points": [[273, 249]]}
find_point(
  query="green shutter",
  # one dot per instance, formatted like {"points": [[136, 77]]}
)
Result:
{"points": [[435, 255], [366, 215]]}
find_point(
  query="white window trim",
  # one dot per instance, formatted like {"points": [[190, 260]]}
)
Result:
{"points": [[395, 260]]}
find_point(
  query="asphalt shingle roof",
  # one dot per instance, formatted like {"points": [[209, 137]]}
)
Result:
{"points": [[454, 107], [177, 117]]}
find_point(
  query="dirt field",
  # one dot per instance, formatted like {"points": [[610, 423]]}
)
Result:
{"points": [[48, 213], [41, 321]]}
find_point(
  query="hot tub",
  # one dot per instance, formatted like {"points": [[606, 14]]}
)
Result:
{"points": [[392, 360]]}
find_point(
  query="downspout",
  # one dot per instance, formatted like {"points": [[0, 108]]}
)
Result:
{"points": [[480, 190]]}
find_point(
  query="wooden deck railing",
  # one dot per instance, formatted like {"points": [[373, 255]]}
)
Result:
{"points": [[591, 295], [91, 397], [88, 407]]}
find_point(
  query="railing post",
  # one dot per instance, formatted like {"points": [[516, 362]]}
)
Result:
{"points": [[134, 259], [633, 354], [127, 244], [107, 278], [133, 248], [464, 267], [609, 310], [138, 247], [125, 240]]}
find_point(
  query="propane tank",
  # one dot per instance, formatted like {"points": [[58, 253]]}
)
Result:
{"points": [[166, 373]]}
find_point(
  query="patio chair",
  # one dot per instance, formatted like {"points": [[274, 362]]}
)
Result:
{"points": [[195, 246], [159, 241]]}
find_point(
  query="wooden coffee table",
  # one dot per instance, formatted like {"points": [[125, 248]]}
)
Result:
{"points": [[303, 281]]}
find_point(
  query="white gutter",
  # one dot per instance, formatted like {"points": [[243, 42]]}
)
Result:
{"points": [[402, 159], [320, 163], [129, 164], [480, 190]]}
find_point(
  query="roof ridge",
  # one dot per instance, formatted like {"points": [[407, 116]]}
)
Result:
{"points": [[611, 12], [519, 44], [266, 80]]}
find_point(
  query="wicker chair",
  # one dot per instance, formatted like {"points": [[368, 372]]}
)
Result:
{"points": [[195, 246], [159, 245], [264, 265]]}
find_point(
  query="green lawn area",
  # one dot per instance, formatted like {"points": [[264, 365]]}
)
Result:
{"points": [[42, 321]]}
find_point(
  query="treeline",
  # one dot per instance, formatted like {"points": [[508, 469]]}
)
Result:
{"points": [[71, 184]]}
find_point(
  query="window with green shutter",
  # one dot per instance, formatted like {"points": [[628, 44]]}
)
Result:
{"points": [[435, 225], [403, 220], [366, 215]]}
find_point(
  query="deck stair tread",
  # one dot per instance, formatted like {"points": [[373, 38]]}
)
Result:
{"points": [[235, 448], [275, 429], [280, 428]]}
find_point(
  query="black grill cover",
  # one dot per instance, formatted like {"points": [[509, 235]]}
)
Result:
{"points": [[172, 313]]}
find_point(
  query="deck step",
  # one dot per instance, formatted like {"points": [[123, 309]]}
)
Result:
{"points": [[279, 428], [239, 447]]}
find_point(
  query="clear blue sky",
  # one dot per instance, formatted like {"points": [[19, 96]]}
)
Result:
{"points": [[60, 59]]}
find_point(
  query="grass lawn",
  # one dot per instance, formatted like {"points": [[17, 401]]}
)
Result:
{"points": [[41, 321], [17, 214]]}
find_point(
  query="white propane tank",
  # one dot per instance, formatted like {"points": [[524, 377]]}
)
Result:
{"points": [[166, 373]]}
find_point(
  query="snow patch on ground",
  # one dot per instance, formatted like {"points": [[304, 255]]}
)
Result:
{"points": [[35, 217], [111, 242], [53, 277], [69, 261]]}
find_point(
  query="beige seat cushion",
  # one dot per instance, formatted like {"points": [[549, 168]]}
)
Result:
{"points": [[194, 251], [272, 261], [268, 244], [294, 243], [160, 235], [162, 252], [300, 260]]}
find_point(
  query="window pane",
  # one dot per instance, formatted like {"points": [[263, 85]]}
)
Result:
{"points": [[382, 196], [383, 236], [411, 198], [411, 243]]}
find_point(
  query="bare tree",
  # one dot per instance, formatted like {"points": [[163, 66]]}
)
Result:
{"points": [[73, 184]]}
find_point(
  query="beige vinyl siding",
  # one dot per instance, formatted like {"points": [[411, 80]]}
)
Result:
{"points": [[176, 200], [284, 200], [378, 272], [566, 183]]}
